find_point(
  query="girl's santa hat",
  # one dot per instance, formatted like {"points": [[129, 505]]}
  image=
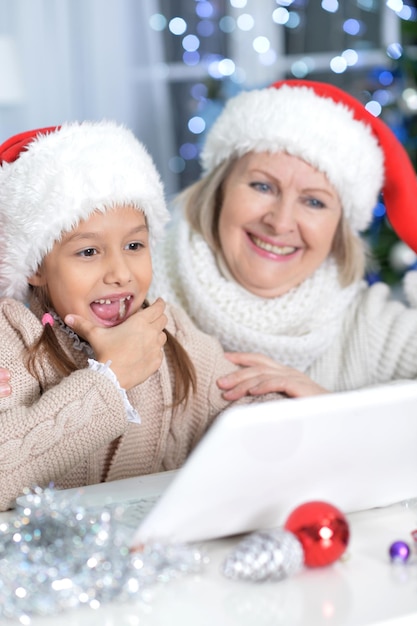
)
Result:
{"points": [[333, 132], [53, 178]]}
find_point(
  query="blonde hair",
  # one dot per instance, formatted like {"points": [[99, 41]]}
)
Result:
{"points": [[202, 201], [48, 346]]}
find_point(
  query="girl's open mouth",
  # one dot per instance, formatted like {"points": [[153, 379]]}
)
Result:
{"points": [[111, 310]]}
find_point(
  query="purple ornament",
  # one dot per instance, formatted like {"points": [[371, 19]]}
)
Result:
{"points": [[399, 551]]}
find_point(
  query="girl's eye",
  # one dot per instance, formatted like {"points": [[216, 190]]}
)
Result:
{"points": [[134, 245], [88, 252], [259, 186]]}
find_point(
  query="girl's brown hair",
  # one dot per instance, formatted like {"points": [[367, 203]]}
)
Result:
{"points": [[202, 202], [185, 379]]}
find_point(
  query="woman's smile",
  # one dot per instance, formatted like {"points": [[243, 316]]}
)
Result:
{"points": [[273, 249], [277, 222]]}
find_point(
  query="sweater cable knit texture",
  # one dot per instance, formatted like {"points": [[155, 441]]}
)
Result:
{"points": [[73, 430]]}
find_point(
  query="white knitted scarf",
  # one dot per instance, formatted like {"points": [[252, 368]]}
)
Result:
{"points": [[294, 329]]}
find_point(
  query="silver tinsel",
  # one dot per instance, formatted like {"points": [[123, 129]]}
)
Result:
{"points": [[56, 555], [265, 555]]}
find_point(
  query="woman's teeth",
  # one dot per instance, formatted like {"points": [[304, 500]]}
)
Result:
{"points": [[269, 247]]}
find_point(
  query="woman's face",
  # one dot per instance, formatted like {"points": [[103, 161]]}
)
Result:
{"points": [[277, 222]]}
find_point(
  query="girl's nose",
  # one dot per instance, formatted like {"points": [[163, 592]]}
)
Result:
{"points": [[117, 270]]}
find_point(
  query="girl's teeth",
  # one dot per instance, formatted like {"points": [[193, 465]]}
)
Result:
{"points": [[122, 305], [109, 301]]}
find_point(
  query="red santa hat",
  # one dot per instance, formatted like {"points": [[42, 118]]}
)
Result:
{"points": [[53, 178], [332, 131]]}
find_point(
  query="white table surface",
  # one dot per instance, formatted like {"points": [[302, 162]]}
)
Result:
{"points": [[362, 590]]}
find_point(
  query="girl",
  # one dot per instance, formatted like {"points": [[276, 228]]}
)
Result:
{"points": [[104, 385]]}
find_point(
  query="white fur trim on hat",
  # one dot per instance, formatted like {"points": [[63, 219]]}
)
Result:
{"points": [[316, 129], [61, 178]]}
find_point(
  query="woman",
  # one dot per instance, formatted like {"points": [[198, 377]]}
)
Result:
{"points": [[268, 256]]}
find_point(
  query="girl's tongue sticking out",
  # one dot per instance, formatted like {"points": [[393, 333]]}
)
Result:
{"points": [[110, 311]]}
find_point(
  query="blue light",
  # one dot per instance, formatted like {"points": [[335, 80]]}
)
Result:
{"points": [[379, 210], [386, 78], [205, 28], [330, 5], [191, 58], [294, 20], [374, 108], [199, 91], [408, 13], [188, 151], [382, 96], [196, 125], [204, 9], [191, 43], [395, 51], [352, 27]]}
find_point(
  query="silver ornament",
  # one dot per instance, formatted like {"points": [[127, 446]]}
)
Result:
{"points": [[265, 555]]}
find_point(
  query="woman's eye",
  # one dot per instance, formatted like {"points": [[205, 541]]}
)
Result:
{"points": [[315, 204], [88, 252], [261, 186]]}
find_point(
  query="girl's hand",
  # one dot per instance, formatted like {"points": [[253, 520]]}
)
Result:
{"points": [[5, 388], [133, 347], [261, 375]]}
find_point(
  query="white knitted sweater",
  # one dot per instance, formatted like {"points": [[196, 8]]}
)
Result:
{"points": [[342, 338]]}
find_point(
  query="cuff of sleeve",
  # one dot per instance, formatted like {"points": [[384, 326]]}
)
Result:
{"points": [[104, 368]]}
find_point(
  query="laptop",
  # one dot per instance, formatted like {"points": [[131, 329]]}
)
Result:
{"points": [[356, 450]]}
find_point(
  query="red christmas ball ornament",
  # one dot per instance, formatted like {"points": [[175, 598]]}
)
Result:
{"points": [[322, 530]]}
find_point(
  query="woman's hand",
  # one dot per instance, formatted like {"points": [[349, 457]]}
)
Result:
{"points": [[5, 388], [133, 347], [260, 375]]}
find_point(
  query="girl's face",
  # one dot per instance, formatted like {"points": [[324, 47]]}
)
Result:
{"points": [[277, 222], [100, 270]]}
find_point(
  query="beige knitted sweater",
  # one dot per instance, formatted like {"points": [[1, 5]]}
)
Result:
{"points": [[73, 431]]}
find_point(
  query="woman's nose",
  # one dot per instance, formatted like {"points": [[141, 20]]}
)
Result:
{"points": [[281, 215]]}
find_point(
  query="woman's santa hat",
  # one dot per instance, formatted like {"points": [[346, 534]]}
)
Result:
{"points": [[333, 132], [53, 178]]}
